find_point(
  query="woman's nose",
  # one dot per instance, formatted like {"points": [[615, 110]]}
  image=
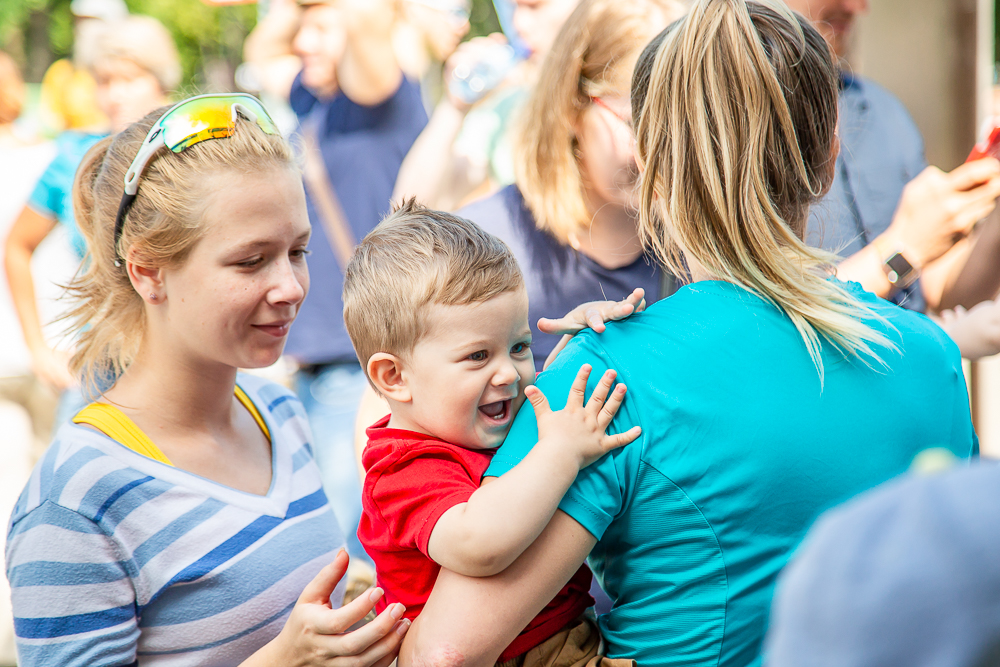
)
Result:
{"points": [[287, 287]]}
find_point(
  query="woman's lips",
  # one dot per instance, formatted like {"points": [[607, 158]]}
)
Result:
{"points": [[277, 329]]}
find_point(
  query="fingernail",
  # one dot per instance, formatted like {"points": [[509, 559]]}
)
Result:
{"points": [[375, 594], [397, 611], [402, 627]]}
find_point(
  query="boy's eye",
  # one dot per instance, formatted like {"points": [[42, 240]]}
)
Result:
{"points": [[478, 356], [520, 348]]}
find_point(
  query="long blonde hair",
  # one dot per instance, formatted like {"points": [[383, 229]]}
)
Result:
{"points": [[591, 56], [163, 225], [736, 108]]}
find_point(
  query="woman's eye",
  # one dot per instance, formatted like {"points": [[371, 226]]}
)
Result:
{"points": [[301, 253], [478, 356], [249, 263]]}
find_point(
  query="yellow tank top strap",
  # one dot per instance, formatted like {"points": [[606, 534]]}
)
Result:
{"points": [[113, 423], [242, 397]]}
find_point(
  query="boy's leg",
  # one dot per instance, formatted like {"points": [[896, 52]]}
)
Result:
{"points": [[577, 645]]}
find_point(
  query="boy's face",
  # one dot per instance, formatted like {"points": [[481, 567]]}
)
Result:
{"points": [[467, 374]]}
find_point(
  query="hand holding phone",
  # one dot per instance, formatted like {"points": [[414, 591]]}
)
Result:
{"points": [[989, 147]]}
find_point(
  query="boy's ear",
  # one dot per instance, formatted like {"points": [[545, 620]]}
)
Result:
{"points": [[386, 373]]}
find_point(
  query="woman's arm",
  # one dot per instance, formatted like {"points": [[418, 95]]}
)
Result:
{"points": [[29, 230], [935, 211], [470, 621]]}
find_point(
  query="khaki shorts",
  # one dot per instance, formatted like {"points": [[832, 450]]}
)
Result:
{"points": [[577, 645]]}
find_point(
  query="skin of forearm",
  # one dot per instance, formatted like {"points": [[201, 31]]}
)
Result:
{"points": [[977, 278], [484, 535], [17, 257], [369, 72], [428, 167], [865, 267]]}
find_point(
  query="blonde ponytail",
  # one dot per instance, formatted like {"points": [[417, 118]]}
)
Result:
{"points": [[737, 110]]}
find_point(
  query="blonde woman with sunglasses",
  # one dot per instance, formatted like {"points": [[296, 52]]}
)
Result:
{"points": [[767, 390], [180, 519]]}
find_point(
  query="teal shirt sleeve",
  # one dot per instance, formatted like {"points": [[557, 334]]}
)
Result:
{"points": [[47, 197], [600, 491]]}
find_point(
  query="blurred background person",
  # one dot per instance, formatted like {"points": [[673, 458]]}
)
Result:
{"points": [[888, 214], [359, 114], [427, 34], [135, 65], [26, 407], [465, 152], [69, 92]]}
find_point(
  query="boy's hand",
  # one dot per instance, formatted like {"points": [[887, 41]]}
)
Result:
{"points": [[591, 315], [582, 429]]}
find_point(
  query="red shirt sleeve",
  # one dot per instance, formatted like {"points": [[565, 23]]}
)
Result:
{"points": [[412, 493]]}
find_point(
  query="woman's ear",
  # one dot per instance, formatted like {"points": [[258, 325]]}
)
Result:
{"points": [[148, 283], [386, 373]]}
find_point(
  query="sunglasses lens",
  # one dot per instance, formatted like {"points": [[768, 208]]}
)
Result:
{"points": [[210, 118]]}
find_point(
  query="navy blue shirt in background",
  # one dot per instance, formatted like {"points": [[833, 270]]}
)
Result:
{"points": [[880, 152], [557, 277], [362, 148]]}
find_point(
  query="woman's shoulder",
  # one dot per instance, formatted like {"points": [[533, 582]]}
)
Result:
{"points": [[79, 467]]}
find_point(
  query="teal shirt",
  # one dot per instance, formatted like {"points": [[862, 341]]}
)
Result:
{"points": [[53, 194], [741, 449]]}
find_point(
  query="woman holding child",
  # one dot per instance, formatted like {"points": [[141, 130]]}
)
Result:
{"points": [[761, 388]]}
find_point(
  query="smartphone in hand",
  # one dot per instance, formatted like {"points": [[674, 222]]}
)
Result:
{"points": [[989, 147]]}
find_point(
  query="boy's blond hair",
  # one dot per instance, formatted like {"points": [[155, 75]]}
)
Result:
{"points": [[418, 256]]}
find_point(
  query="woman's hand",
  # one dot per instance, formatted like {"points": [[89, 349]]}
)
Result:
{"points": [[938, 209], [976, 331], [52, 368], [316, 634], [591, 315]]}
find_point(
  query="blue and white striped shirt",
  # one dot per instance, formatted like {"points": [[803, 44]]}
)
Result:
{"points": [[115, 559]]}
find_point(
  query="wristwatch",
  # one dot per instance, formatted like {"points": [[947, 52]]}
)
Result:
{"points": [[899, 271]]}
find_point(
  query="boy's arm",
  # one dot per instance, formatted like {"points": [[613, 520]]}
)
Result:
{"points": [[484, 535]]}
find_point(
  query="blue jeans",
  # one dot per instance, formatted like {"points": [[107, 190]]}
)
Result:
{"points": [[331, 397]]}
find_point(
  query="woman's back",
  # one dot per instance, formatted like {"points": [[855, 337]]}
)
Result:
{"points": [[741, 450]]}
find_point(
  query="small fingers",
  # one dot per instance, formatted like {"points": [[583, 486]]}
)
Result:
{"points": [[578, 391], [561, 325], [595, 319], [538, 401], [621, 439], [601, 391], [610, 408]]}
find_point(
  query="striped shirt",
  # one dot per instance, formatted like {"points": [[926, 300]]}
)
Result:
{"points": [[117, 559]]}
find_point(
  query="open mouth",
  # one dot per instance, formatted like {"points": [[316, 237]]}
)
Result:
{"points": [[497, 412]]}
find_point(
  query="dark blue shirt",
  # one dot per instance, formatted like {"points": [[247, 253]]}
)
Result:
{"points": [[880, 152], [558, 278], [362, 148]]}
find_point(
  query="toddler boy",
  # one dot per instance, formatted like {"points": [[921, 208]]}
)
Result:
{"points": [[438, 314]]}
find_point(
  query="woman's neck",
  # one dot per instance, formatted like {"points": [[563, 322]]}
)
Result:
{"points": [[612, 239], [177, 395]]}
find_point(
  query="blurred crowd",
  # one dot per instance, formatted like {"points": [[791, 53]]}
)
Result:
{"points": [[527, 132]]}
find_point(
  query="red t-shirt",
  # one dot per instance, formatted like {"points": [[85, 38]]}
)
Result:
{"points": [[412, 479]]}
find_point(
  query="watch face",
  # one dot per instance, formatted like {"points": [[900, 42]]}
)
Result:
{"points": [[899, 271]]}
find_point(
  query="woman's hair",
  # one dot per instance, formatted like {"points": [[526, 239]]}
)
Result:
{"points": [[592, 56], [736, 116], [163, 225], [11, 90], [144, 41]]}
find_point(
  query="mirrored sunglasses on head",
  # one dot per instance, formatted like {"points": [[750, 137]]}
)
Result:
{"points": [[185, 124]]}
